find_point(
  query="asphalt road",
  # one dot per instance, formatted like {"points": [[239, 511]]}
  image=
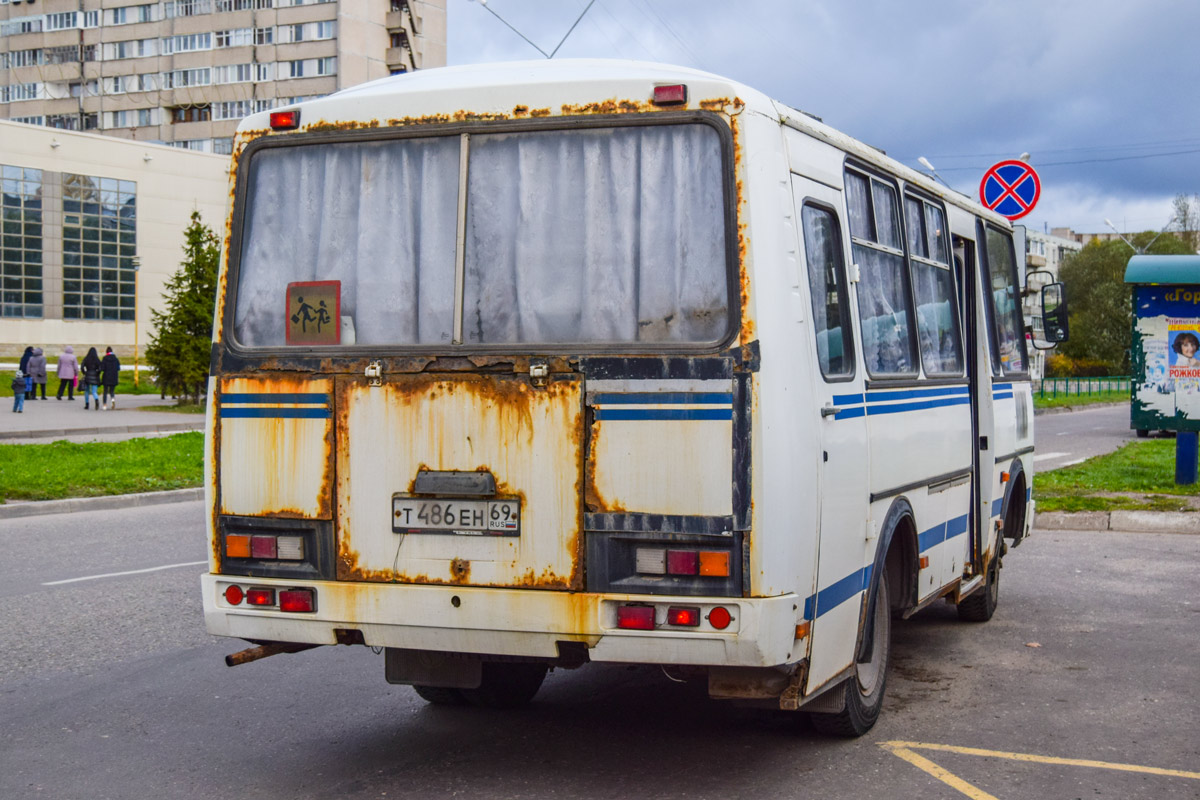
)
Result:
{"points": [[110, 688], [1069, 438]]}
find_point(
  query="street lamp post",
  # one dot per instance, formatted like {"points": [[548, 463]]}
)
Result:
{"points": [[137, 263]]}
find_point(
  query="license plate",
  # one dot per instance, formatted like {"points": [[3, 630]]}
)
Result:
{"points": [[466, 517]]}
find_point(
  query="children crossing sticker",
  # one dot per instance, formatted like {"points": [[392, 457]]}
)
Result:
{"points": [[313, 312]]}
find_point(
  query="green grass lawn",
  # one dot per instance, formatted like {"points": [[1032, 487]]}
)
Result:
{"points": [[1139, 476], [66, 469], [145, 385], [1118, 396]]}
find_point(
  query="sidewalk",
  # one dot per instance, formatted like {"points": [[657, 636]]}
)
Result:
{"points": [[50, 420]]}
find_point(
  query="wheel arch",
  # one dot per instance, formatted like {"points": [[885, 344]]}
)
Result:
{"points": [[897, 553], [1016, 499]]}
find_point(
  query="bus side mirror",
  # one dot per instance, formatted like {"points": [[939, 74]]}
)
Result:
{"points": [[1054, 313]]}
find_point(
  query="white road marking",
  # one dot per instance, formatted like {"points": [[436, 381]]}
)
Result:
{"points": [[1044, 456], [129, 572], [1073, 463], [1064, 433]]}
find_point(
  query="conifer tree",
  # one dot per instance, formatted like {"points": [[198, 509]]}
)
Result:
{"points": [[180, 345]]}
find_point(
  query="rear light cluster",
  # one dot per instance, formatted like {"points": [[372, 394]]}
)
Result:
{"points": [[643, 617], [663, 561], [264, 547], [292, 600]]}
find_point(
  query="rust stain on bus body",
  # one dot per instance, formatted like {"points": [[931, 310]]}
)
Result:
{"points": [[523, 435]]}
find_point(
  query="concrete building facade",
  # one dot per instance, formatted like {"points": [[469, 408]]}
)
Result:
{"points": [[92, 227], [184, 72]]}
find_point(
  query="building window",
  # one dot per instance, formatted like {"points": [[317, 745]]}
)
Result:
{"points": [[21, 254], [186, 8], [223, 147], [191, 113], [61, 21], [324, 30], [91, 19], [99, 243], [295, 69], [264, 35], [22, 58], [297, 32], [186, 43], [21, 25], [147, 116], [20, 91], [327, 66], [38, 120], [146, 13]]}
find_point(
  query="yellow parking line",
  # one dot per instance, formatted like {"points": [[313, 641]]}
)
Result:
{"points": [[953, 781], [1069, 762]]}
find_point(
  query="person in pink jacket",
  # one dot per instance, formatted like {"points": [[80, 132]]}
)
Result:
{"points": [[68, 368]]}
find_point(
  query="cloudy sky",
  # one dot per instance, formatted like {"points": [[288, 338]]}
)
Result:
{"points": [[1102, 93]]}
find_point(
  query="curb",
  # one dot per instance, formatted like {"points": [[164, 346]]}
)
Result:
{"points": [[105, 503], [147, 428], [1041, 412], [1123, 521]]}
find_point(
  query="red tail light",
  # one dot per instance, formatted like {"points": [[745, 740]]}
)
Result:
{"points": [[683, 562], [297, 600], [285, 120], [263, 547], [260, 597], [684, 615], [638, 618]]}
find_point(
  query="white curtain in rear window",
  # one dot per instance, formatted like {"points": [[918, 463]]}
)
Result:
{"points": [[605, 235], [378, 216]]}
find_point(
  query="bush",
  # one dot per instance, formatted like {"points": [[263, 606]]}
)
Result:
{"points": [[1060, 366]]}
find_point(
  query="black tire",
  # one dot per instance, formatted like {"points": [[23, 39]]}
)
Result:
{"points": [[506, 684], [1142, 433], [864, 691], [440, 695], [981, 604]]}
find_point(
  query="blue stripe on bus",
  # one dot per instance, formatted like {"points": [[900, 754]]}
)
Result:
{"points": [[834, 595], [1002, 395], [931, 538], [956, 527], [275, 413], [850, 412], [912, 394], [997, 505], [652, 398], [663, 413], [847, 399], [896, 408], [999, 386]]}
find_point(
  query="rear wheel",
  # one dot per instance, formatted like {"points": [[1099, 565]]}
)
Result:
{"points": [[506, 684], [864, 691], [440, 695], [980, 606]]}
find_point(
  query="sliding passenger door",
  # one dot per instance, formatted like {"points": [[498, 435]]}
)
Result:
{"points": [[833, 607]]}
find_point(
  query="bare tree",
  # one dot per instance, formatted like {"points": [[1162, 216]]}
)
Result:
{"points": [[1187, 217]]}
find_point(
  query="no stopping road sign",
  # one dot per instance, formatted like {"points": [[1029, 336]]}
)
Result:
{"points": [[1010, 188]]}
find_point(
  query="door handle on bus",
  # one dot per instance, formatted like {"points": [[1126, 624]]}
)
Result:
{"points": [[374, 373], [829, 411]]}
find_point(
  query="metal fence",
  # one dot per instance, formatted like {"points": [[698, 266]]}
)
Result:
{"points": [[1082, 387]]}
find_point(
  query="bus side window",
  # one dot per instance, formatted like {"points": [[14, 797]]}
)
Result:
{"points": [[1005, 324], [884, 301], [938, 329], [827, 285]]}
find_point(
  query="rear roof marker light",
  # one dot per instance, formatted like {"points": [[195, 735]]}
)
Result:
{"points": [[285, 120], [671, 95]]}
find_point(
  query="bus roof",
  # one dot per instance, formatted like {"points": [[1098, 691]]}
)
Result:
{"points": [[570, 87]]}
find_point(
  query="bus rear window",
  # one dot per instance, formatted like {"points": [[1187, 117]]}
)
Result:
{"points": [[587, 236]]}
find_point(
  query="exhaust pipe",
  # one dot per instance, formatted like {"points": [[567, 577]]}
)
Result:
{"points": [[262, 651]]}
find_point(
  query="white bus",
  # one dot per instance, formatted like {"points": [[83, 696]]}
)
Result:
{"points": [[524, 366]]}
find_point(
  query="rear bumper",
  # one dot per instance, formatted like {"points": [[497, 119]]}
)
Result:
{"points": [[511, 622]]}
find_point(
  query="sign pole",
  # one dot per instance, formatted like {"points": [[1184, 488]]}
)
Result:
{"points": [[1186, 452]]}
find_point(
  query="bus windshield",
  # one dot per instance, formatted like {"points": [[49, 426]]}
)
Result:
{"points": [[585, 236]]}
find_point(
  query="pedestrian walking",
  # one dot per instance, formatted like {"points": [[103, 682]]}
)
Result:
{"points": [[110, 376], [37, 369], [68, 371], [91, 378], [23, 367], [18, 387]]}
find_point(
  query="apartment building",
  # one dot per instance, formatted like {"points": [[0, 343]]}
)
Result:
{"points": [[184, 72]]}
